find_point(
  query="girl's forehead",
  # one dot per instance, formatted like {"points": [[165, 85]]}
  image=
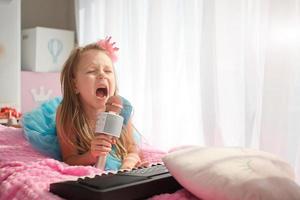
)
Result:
{"points": [[94, 57]]}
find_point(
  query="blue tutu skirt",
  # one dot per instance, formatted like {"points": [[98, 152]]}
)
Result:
{"points": [[40, 130]]}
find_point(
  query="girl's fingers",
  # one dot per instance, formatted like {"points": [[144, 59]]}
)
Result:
{"points": [[104, 137], [102, 148], [101, 141], [101, 144], [96, 145], [143, 164], [99, 153]]}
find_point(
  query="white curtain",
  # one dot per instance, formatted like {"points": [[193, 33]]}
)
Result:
{"points": [[206, 72]]}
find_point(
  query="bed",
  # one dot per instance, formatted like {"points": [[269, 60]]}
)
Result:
{"points": [[208, 173], [26, 174]]}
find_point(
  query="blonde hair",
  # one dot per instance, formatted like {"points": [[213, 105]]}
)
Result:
{"points": [[72, 115]]}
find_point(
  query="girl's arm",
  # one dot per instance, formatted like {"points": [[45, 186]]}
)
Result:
{"points": [[101, 145], [132, 159]]}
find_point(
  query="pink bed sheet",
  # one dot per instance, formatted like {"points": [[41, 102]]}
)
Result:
{"points": [[27, 174]]}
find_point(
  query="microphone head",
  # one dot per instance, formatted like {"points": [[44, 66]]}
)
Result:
{"points": [[114, 104]]}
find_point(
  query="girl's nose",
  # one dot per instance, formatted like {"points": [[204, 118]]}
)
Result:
{"points": [[101, 74]]}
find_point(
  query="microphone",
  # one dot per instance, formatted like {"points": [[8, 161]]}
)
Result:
{"points": [[109, 123]]}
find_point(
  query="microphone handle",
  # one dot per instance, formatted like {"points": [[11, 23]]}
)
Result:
{"points": [[100, 164]]}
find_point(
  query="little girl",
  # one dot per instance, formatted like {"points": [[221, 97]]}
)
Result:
{"points": [[88, 80]]}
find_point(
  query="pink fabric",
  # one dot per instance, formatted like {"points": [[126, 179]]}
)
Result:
{"points": [[27, 174], [179, 195]]}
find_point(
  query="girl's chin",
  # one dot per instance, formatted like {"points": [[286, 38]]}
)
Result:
{"points": [[101, 101], [104, 98], [99, 107]]}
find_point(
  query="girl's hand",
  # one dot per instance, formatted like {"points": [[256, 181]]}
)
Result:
{"points": [[143, 164], [130, 161], [101, 145]]}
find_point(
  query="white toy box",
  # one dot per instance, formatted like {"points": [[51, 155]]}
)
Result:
{"points": [[45, 49]]}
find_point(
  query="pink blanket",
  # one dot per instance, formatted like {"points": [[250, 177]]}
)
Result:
{"points": [[27, 174]]}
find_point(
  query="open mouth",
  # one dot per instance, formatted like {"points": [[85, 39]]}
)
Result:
{"points": [[102, 92]]}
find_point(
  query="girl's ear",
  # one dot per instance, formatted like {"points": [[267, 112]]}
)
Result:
{"points": [[74, 83]]}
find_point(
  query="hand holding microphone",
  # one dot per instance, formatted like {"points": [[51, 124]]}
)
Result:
{"points": [[109, 123]]}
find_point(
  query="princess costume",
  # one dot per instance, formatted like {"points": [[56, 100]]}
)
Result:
{"points": [[40, 130]]}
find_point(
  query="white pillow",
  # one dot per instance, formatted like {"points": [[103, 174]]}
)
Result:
{"points": [[232, 174]]}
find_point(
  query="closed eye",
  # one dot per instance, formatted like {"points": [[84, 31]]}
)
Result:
{"points": [[108, 69], [91, 71]]}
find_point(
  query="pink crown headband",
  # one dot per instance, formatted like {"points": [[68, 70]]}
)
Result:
{"points": [[109, 48]]}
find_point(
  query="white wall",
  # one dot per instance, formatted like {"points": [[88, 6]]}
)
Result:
{"points": [[10, 57], [48, 13]]}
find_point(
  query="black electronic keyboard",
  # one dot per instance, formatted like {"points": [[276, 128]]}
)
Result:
{"points": [[138, 183]]}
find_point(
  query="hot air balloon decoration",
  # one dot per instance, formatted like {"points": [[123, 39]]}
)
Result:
{"points": [[55, 47]]}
